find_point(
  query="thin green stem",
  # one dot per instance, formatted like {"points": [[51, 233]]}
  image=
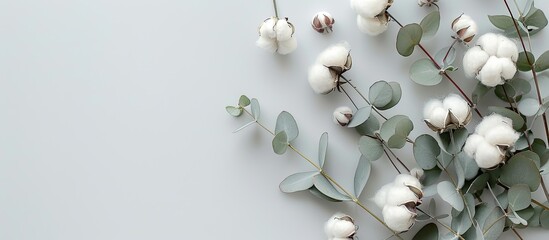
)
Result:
{"points": [[363, 97], [275, 8], [540, 204], [391, 160], [392, 153], [450, 49], [442, 224], [531, 64], [516, 233], [348, 96], [327, 176]]}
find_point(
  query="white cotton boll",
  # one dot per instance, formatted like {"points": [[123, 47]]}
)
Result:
{"points": [[398, 218], [472, 144], [335, 55], [502, 135], [430, 106], [407, 180], [339, 238], [457, 106], [507, 48], [288, 46], [465, 28], [490, 74], [342, 115], [398, 195], [283, 30], [473, 61], [489, 43], [369, 8], [322, 22], [487, 155], [339, 226], [371, 26], [417, 173], [321, 79], [438, 117], [267, 28], [508, 68], [488, 122], [268, 44], [381, 195]]}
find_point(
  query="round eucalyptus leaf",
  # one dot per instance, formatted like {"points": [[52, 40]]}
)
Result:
{"points": [[360, 116], [535, 21], [526, 213], [371, 148], [234, 111], [493, 225], [479, 91], [479, 183], [542, 63], [430, 24], [544, 219], [431, 176], [408, 37], [518, 121], [369, 127], [534, 220], [380, 94], [439, 56], [502, 22], [243, 101], [256, 110], [520, 85], [522, 61], [322, 149], [528, 155], [325, 187], [519, 197], [423, 72], [507, 93], [362, 174], [528, 107], [397, 141], [396, 129], [447, 191], [426, 151], [298, 182], [428, 232], [285, 122], [396, 96], [520, 170], [280, 143]]}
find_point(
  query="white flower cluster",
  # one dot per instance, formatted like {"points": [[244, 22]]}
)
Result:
{"points": [[490, 141], [277, 35], [451, 113], [323, 22], [340, 227], [343, 115], [398, 200], [427, 3], [492, 61], [330, 64], [372, 16], [465, 28]]}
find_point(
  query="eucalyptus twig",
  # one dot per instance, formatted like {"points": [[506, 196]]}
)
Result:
{"points": [[327, 176], [531, 64], [363, 97], [391, 160], [348, 96], [516, 233], [516, 110], [442, 224], [392, 153], [471, 104], [449, 50]]}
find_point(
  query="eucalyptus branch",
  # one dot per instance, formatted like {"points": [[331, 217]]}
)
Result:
{"points": [[442, 72], [363, 97], [525, 133], [391, 160], [516, 233], [392, 153], [327, 176], [531, 64], [442, 224], [450, 49]]}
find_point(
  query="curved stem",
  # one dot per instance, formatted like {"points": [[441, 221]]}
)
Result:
{"points": [[391, 160], [348, 96], [531, 64], [442, 224], [449, 49], [362, 96], [471, 104], [327, 176]]}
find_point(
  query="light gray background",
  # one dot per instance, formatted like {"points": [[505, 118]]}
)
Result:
{"points": [[112, 120]]}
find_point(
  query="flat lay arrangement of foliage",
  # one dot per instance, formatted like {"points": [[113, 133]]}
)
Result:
{"points": [[485, 172]]}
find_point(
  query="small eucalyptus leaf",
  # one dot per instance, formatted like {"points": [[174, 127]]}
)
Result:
{"points": [[479, 91], [494, 224], [408, 37], [428, 232], [360, 116], [243, 101], [395, 130], [519, 197], [447, 191], [362, 174], [325, 187], [459, 137], [396, 96], [431, 176], [423, 72], [426, 151], [285, 122], [479, 183], [502, 22], [371, 148], [535, 21], [298, 182], [380, 93], [460, 172], [322, 149], [280, 143], [441, 54], [256, 110], [542, 63], [369, 127], [522, 61], [519, 170], [313, 190], [469, 164], [234, 111], [430, 24], [528, 107]]}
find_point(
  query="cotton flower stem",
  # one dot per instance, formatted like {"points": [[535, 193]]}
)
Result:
{"points": [[442, 224], [327, 176], [531, 64], [348, 96], [471, 104], [275, 8]]}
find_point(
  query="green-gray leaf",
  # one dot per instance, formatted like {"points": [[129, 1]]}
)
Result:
{"points": [[286, 123], [396, 96], [439, 56], [494, 224], [544, 219], [447, 191], [470, 167], [313, 190], [423, 72], [280, 143], [426, 151], [520, 170], [535, 21], [395, 130], [428, 232], [370, 148], [362, 174], [519, 197], [360, 116], [430, 24], [380, 93], [408, 37], [459, 137], [243, 101], [522, 61], [322, 149], [325, 187], [479, 183], [479, 91], [542, 63], [234, 111], [518, 121], [502, 22], [256, 110], [298, 182], [369, 127]]}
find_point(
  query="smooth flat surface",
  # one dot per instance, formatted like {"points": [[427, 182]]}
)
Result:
{"points": [[112, 120]]}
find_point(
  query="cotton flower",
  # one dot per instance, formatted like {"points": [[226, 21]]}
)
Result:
{"points": [[277, 35], [340, 227], [450, 113], [427, 3], [325, 73], [322, 22], [398, 201], [465, 28], [492, 61], [343, 115], [489, 143], [372, 17]]}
